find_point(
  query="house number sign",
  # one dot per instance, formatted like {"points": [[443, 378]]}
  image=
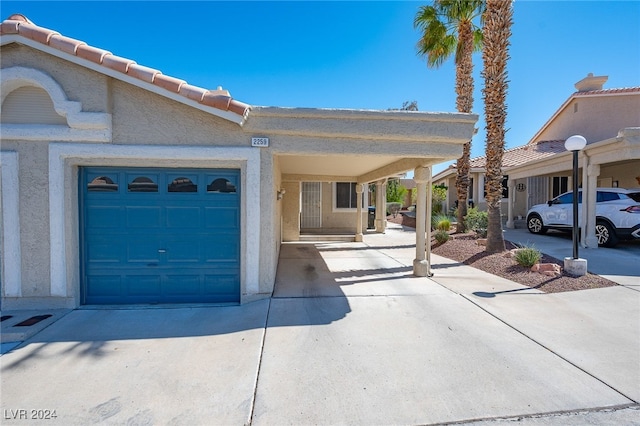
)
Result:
{"points": [[260, 142], [521, 187]]}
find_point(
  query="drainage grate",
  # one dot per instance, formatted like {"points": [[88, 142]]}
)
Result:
{"points": [[32, 321], [5, 317]]}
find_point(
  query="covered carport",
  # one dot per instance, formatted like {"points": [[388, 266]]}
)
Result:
{"points": [[598, 161], [359, 147]]}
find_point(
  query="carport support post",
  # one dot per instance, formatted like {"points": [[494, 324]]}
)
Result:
{"points": [[511, 184], [381, 206], [589, 195], [359, 191], [422, 176]]}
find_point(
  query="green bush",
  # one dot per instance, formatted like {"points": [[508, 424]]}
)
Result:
{"points": [[477, 221], [527, 256], [441, 222], [441, 236], [395, 191]]}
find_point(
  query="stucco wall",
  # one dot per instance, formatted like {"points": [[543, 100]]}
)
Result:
{"points": [[142, 117], [290, 205], [625, 173], [80, 84], [594, 117], [339, 220], [33, 210]]}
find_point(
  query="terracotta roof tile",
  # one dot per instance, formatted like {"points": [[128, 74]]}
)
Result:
{"points": [[9, 27], [169, 83], [609, 91], [523, 154], [219, 98], [143, 73], [66, 44], [238, 107], [216, 100], [193, 92], [39, 34], [92, 54], [117, 63]]}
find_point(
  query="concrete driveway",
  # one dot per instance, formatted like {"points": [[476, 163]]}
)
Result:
{"points": [[350, 337]]}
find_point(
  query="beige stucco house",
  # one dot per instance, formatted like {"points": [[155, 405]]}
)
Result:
{"points": [[122, 185], [609, 119]]}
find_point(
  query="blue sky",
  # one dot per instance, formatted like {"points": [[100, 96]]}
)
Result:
{"points": [[358, 55]]}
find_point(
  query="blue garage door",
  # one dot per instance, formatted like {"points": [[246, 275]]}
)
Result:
{"points": [[160, 235]]}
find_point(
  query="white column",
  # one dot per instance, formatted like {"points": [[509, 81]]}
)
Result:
{"points": [[428, 213], [359, 191], [588, 231], [421, 176], [511, 183], [381, 206]]}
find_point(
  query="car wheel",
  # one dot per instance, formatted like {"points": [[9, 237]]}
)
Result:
{"points": [[605, 234], [534, 224]]}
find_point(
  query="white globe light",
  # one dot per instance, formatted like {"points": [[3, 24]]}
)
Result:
{"points": [[575, 143]]}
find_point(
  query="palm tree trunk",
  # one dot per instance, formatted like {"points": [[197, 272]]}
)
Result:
{"points": [[464, 103], [495, 53]]}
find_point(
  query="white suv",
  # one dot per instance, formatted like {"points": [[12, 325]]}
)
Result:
{"points": [[617, 215]]}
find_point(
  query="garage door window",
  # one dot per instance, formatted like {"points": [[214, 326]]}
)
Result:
{"points": [[102, 184], [143, 184], [182, 184], [221, 185]]}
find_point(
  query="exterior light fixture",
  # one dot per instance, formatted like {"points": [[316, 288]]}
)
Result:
{"points": [[575, 265]]}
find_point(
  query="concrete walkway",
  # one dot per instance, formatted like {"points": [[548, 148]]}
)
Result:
{"points": [[350, 337]]}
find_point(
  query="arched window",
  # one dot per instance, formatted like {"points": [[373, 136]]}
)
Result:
{"points": [[102, 184], [182, 184], [143, 184], [221, 185]]}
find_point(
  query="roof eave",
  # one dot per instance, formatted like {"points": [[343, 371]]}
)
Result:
{"points": [[6, 39]]}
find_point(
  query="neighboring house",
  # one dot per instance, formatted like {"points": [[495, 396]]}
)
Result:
{"points": [[122, 185], [534, 173]]}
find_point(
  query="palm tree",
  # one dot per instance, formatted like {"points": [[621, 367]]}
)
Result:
{"points": [[495, 54], [447, 27]]}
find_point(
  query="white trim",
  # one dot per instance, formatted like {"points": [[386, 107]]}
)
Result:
{"points": [[12, 268], [227, 115], [82, 126], [63, 156]]}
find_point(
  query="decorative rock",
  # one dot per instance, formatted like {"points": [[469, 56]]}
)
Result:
{"points": [[549, 269], [481, 241], [512, 253]]}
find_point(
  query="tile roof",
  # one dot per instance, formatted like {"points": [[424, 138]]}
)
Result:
{"points": [[609, 91], [218, 98], [523, 154]]}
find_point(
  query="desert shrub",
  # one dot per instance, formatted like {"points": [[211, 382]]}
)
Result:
{"points": [[441, 222], [393, 208], [441, 236], [477, 221], [527, 256]]}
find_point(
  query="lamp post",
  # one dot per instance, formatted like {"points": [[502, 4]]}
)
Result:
{"points": [[575, 266]]}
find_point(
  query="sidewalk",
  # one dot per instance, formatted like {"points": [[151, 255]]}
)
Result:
{"points": [[349, 337]]}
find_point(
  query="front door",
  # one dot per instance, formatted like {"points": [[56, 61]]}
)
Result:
{"points": [[311, 205]]}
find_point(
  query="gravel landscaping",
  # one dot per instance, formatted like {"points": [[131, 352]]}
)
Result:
{"points": [[464, 248]]}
